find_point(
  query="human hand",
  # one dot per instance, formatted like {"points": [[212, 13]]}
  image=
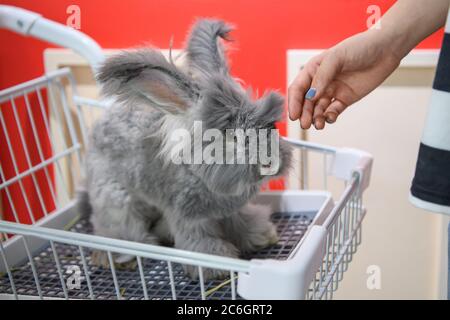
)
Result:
{"points": [[340, 76]]}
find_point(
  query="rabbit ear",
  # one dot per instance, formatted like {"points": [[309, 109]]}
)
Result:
{"points": [[204, 50], [145, 76], [270, 109]]}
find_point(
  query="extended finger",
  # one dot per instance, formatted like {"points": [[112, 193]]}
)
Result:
{"points": [[296, 94], [318, 115], [334, 110], [307, 114]]}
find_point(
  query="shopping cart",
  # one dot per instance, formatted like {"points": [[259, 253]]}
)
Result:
{"points": [[45, 252]]}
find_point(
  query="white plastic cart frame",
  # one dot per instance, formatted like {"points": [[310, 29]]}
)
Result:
{"points": [[312, 269]]}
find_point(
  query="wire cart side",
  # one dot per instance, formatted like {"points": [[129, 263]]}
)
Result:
{"points": [[47, 254]]}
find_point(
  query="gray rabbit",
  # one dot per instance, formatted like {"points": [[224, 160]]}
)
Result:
{"points": [[133, 188]]}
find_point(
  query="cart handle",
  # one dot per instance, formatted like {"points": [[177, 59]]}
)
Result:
{"points": [[32, 24]]}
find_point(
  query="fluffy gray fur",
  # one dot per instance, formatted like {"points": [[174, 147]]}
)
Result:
{"points": [[204, 51], [136, 193]]}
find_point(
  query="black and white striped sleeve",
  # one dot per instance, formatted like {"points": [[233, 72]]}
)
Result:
{"points": [[430, 188]]}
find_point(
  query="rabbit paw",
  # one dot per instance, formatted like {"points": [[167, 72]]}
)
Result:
{"points": [[100, 259], [263, 236], [259, 231], [208, 274], [215, 247], [121, 262]]}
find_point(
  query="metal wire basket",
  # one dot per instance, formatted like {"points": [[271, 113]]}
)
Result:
{"points": [[46, 250]]}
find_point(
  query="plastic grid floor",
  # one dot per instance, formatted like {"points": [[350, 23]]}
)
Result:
{"points": [[291, 228]]}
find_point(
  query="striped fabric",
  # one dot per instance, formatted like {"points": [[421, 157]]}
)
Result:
{"points": [[430, 188]]}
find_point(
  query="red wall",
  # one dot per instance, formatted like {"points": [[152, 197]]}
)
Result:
{"points": [[265, 30]]}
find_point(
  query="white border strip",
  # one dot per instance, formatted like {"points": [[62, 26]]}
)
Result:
{"points": [[429, 206]]}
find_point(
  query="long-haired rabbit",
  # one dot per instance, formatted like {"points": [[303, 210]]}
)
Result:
{"points": [[134, 188]]}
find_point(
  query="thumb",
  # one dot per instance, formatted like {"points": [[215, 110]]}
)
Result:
{"points": [[325, 74]]}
